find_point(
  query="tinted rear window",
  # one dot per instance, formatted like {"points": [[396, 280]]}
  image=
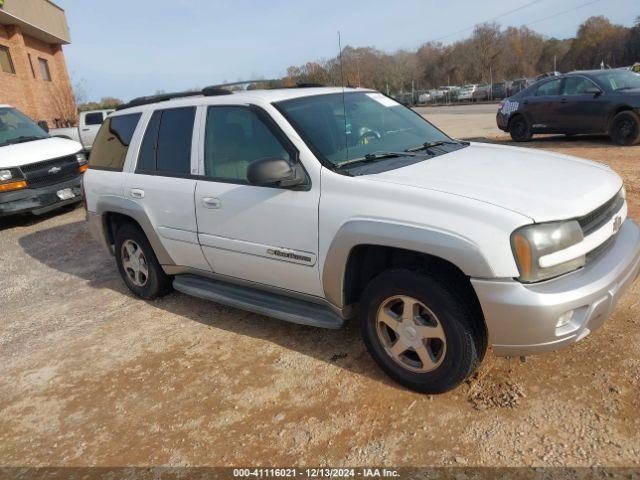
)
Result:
{"points": [[166, 147], [93, 118], [112, 142]]}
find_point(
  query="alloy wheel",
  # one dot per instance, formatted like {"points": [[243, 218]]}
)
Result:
{"points": [[134, 263], [411, 334]]}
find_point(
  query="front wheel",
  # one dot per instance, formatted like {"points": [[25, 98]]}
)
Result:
{"points": [[422, 335], [519, 129], [625, 128]]}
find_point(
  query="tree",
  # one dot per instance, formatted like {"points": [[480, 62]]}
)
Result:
{"points": [[598, 40]]}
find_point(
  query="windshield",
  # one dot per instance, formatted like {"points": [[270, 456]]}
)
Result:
{"points": [[614, 80], [374, 123], [16, 127]]}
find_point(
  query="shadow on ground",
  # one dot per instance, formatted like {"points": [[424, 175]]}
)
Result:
{"points": [[341, 348], [28, 219], [555, 141]]}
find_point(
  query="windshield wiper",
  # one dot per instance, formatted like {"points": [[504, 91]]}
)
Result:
{"points": [[428, 145], [372, 157], [22, 139]]}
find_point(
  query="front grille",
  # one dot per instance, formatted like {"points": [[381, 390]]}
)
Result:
{"points": [[51, 172], [601, 215]]}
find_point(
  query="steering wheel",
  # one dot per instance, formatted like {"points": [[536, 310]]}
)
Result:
{"points": [[368, 136]]}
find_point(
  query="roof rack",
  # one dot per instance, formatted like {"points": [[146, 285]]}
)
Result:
{"points": [[162, 97], [210, 91]]}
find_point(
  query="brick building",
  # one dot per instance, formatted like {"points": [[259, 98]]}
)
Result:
{"points": [[33, 71]]}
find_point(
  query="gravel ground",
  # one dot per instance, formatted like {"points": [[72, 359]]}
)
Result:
{"points": [[91, 375]]}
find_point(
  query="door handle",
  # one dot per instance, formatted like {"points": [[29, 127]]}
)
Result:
{"points": [[564, 100], [137, 193], [211, 202], [86, 129]]}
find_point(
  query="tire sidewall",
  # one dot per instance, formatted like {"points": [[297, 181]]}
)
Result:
{"points": [[461, 356], [616, 124], [156, 280], [525, 134]]}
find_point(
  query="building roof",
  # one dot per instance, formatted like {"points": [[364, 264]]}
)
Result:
{"points": [[41, 19]]}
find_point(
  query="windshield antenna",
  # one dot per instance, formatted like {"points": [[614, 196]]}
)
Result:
{"points": [[344, 103]]}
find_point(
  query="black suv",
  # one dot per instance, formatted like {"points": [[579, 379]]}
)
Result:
{"points": [[595, 101]]}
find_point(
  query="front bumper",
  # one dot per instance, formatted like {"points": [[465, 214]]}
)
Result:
{"points": [[38, 200], [522, 319]]}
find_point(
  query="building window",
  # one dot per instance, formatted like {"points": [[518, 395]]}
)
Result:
{"points": [[33, 72], [6, 64], [44, 69]]}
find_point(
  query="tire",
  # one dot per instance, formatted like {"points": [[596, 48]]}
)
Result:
{"points": [[519, 129], [132, 266], [625, 128], [454, 343]]}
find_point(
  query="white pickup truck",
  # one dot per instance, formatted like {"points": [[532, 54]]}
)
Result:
{"points": [[318, 205], [85, 133], [37, 173]]}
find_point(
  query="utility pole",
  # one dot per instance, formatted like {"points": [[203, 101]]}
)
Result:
{"points": [[555, 59], [490, 83]]}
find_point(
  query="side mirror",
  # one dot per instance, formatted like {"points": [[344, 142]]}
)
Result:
{"points": [[274, 171], [593, 91], [44, 125]]}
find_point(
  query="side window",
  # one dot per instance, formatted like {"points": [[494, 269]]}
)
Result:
{"points": [[112, 142], [235, 137], [94, 118], [576, 85], [549, 88], [166, 147], [44, 69]]}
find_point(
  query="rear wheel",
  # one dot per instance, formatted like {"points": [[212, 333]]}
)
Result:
{"points": [[422, 335], [519, 129], [138, 265], [625, 128]]}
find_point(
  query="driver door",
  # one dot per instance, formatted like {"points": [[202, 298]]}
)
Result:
{"points": [[267, 235]]}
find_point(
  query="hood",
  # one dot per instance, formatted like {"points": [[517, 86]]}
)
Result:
{"points": [[37, 151], [541, 185]]}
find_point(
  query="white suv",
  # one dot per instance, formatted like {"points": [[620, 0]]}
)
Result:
{"points": [[318, 205]]}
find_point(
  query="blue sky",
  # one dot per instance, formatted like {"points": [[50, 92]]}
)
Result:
{"points": [[127, 49]]}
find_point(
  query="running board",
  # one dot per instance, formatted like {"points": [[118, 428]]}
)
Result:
{"points": [[258, 301]]}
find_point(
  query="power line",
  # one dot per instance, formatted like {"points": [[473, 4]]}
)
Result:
{"points": [[563, 12], [489, 20]]}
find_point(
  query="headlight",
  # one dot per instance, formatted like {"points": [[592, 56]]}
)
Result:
{"points": [[532, 242], [82, 162], [11, 179]]}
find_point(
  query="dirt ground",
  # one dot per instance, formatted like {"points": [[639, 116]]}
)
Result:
{"points": [[90, 375]]}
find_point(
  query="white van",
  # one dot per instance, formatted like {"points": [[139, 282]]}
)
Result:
{"points": [[37, 173]]}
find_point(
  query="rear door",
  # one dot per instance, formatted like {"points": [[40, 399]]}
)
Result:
{"points": [[581, 112], [543, 104], [267, 235], [162, 182]]}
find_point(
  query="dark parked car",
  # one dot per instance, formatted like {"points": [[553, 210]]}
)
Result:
{"points": [[498, 90], [596, 101]]}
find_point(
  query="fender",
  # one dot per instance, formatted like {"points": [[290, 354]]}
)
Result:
{"points": [[446, 245], [124, 206]]}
